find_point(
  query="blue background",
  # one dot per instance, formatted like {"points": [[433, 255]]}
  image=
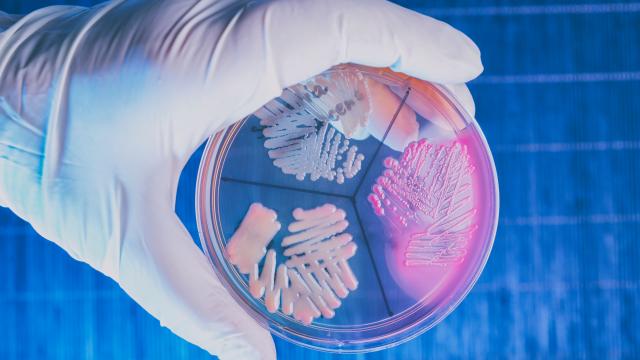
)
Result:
{"points": [[559, 102]]}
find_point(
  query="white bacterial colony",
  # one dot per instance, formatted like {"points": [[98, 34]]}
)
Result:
{"points": [[316, 274], [300, 144], [339, 97], [428, 189]]}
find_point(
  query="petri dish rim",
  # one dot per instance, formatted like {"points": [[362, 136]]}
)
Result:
{"points": [[206, 205]]}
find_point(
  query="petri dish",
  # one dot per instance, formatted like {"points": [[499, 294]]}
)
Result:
{"points": [[352, 213]]}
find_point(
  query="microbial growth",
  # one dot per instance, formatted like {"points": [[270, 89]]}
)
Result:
{"points": [[248, 244], [428, 195], [423, 213], [318, 249], [340, 98], [302, 145], [316, 274]]}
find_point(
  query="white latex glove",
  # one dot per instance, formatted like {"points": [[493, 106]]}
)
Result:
{"points": [[101, 108]]}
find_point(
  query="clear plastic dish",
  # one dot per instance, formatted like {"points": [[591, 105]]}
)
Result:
{"points": [[367, 197]]}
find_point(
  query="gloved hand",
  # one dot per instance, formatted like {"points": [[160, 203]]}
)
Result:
{"points": [[101, 108]]}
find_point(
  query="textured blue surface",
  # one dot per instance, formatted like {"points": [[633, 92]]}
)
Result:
{"points": [[560, 105]]}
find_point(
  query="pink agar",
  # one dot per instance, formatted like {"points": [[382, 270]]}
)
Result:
{"points": [[428, 200]]}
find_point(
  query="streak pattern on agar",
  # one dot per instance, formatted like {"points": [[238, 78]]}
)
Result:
{"points": [[429, 189], [300, 144], [340, 98], [316, 275]]}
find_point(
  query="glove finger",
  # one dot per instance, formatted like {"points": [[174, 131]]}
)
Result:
{"points": [[271, 45], [464, 97], [385, 103], [304, 37], [295, 45], [167, 274]]}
